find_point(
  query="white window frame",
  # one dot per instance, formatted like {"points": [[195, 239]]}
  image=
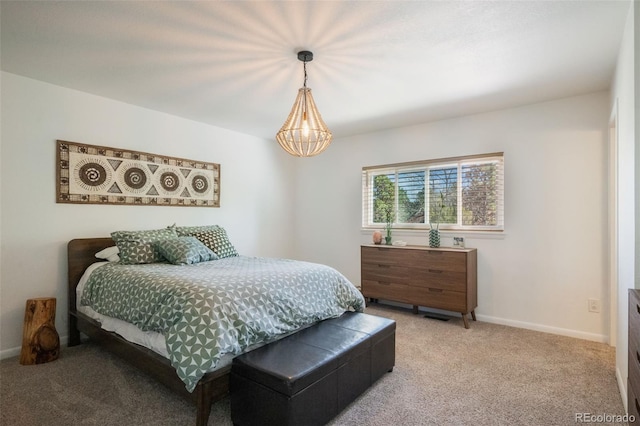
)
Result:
{"points": [[368, 174]]}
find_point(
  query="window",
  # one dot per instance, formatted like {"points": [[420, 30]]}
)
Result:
{"points": [[462, 193]]}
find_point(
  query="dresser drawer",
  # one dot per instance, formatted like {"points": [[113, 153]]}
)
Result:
{"points": [[436, 278], [634, 368], [382, 256], [439, 260], [634, 404], [442, 299], [634, 315], [634, 342], [420, 296], [388, 290], [427, 259], [383, 272]]}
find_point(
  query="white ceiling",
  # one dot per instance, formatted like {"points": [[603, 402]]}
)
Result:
{"points": [[377, 64]]}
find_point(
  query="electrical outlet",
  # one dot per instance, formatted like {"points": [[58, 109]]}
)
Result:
{"points": [[594, 305]]}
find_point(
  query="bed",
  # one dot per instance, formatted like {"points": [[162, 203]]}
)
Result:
{"points": [[211, 386]]}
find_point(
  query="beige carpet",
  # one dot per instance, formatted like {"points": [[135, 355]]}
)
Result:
{"points": [[444, 375]]}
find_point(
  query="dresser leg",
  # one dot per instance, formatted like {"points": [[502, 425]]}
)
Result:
{"points": [[415, 309], [466, 322], [473, 314]]}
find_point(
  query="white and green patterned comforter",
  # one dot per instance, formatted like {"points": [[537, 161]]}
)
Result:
{"points": [[224, 306]]}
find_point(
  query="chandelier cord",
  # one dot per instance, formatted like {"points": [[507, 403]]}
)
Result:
{"points": [[305, 74]]}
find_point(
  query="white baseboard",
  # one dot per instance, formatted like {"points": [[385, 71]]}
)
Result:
{"points": [[11, 352], [600, 338], [622, 387]]}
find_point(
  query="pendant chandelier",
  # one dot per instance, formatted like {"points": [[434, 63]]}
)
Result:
{"points": [[304, 134]]}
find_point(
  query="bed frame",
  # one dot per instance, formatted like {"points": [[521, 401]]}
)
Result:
{"points": [[212, 387]]}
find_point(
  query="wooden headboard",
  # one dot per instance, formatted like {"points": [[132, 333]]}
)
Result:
{"points": [[80, 254]]}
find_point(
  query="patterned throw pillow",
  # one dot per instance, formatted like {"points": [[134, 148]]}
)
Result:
{"points": [[137, 246], [217, 241], [184, 250], [184, 231]]}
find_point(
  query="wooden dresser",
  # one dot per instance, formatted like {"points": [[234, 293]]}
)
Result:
{"points": [[633, 381], [440, 278]]}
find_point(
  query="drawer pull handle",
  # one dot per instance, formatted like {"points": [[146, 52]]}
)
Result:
{"points": [[638, 356], [637, 405], [384, 282], [383, 266], [435, 290], [638, 308], [435, 271]]}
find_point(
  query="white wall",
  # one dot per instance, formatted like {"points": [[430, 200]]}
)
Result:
{"points": [[539, 274], [553, 254], [623, 91], [256, 207]]}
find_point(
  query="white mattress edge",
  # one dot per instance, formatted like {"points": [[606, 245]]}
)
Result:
{"points": [[149, 339]]}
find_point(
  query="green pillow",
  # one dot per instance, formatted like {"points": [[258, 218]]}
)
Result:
{"points": [[184, 231], [217, 241], [184, 250], [137, 246]]}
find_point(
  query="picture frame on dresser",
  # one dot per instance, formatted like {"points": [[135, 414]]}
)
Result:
{"points": [[442, 278]]}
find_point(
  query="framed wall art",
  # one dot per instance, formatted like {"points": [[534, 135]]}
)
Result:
{"points": [[89, 174]]}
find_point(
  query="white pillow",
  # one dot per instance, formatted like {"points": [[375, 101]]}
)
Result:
{"points": [[110, 254]]}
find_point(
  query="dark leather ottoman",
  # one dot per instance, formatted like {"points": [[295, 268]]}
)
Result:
{"points": [[309, 377]]}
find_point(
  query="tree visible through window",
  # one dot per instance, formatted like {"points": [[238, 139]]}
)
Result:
{"points": [[458, 193], [411, 195], [480, 196], [443, 195]]}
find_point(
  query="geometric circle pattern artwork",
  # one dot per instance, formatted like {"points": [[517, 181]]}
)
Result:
{"points": [[91, 174], [168, 182], [135, 177], [200, 183]]}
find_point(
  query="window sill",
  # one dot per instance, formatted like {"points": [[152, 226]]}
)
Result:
{"points": [[468, 234]]}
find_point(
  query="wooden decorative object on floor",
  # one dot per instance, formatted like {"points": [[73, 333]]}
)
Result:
{"points": [[40, 340]]}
